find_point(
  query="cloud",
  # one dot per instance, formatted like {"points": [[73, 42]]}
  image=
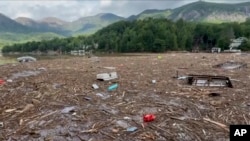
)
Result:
{"points": [[24, 14], [68, 10], [105, 3], [73, 9]]}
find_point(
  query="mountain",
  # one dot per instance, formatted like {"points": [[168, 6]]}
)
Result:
{"points": [[53, 21], [54, 27], [49, 24], [85, 25], [197, 11], [153, 13], [25, 29], [201, 12], [91, 24], [212, 12], [7, 24], [21, 30], [26, 21]]}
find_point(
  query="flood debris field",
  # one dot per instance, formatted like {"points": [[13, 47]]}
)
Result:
{"points": [[54, 99]]}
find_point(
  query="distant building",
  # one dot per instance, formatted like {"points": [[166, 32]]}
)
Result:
{"points": [[77, 52], [235, 43], [216, 50]]}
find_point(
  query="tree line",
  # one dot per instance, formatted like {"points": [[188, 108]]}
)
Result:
{"points": [[148, 35]]}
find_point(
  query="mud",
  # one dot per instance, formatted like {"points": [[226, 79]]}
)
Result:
{"points": [[59, 103]]}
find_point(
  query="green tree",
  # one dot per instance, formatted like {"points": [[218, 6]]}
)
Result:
{"points": [[245, 46], [159, 45]]}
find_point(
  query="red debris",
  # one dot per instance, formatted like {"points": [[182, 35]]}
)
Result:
{"points": [[148, 117], [2, 81]]}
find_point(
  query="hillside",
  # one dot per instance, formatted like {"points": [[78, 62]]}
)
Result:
{"points": [[149, 35], [53, 21], [26, 21], [153, 13], [9, 25], [9, 38], [84, 25], [201, 12], [197, 11], [212, 12], [22, 30], [49, 24], [54, 27], [91, 24]]}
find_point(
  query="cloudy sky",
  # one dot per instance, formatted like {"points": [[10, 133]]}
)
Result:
{"points": [[70, 10]]}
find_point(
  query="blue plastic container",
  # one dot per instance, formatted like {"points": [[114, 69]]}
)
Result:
{"points": [[112, 87]]}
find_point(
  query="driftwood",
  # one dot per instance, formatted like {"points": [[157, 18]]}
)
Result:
{"points": [[33, 103], [217, 123]]}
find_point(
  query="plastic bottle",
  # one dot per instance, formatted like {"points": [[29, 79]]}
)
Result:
{"points": [[112, 87]]}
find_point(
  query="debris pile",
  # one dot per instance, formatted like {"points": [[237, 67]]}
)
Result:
{"points": [[65, 100], [229, 65], [208, 80]]}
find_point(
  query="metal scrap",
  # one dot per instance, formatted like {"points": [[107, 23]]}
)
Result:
{"points": [[209, 80]]}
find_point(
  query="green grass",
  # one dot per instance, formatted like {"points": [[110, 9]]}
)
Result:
{"points": [[86, 32], [4, 60], [17, 37], [7, 38], [214, 21]]}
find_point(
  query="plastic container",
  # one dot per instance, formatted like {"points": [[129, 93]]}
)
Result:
{"points": [[95, 86], [112, 87]]}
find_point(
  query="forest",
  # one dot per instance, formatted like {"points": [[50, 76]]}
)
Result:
{"points": [[148, 35]]}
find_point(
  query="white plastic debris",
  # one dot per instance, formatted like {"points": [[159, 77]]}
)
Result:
{"points": [[99, 94], [103, 95], [9, 80], [1, 124], [42, 69], [67, 110], [127, 118], [132, 129], [153, 81], [26, 59], [122, 123], [106, 76], [182, 77], [95, 86]]}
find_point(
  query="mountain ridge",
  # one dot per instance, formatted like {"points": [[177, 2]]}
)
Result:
{"points": [[195, 12], [199, 11], [9, 25]]}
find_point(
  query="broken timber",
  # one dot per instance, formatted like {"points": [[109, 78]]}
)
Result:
{"points": [[231, 65]]}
